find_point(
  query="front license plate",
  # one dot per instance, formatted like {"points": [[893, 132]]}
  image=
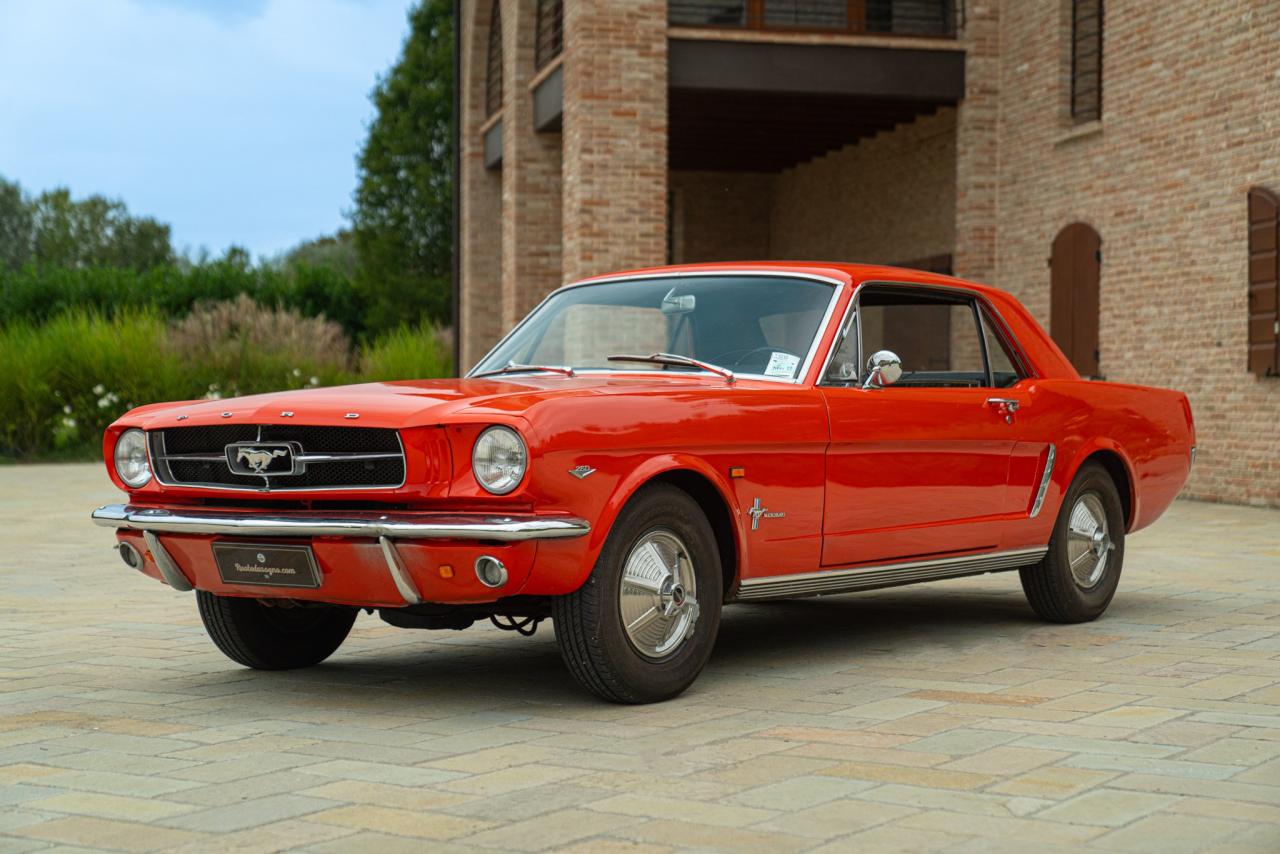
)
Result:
{"points": [[266, 565]]}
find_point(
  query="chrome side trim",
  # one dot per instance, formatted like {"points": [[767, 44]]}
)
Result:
{"points": [[1044, 480], [371, 524], [801, 376], [173, 574], [887, 575], [399, 575]]}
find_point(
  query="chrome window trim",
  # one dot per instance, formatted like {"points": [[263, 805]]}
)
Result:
{"points": [[802, 375], [982, 304], [158, 437]]}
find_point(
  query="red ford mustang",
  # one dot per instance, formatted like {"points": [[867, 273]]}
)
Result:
{"points": [[644, 448]]}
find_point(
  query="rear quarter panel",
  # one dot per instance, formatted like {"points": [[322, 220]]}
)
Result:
{"points": [[1149, 429]]}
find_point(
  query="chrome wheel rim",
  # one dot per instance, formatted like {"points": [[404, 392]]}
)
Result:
{"points": [[1089, 543], [658, 598]]}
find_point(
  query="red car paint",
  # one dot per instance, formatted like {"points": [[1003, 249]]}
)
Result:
{"points": [[863, 476]]}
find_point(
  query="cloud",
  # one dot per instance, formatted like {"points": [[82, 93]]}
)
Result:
{"points": [[236, 122]]}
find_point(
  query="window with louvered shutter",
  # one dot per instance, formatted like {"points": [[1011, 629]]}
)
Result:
{"points": [[1264, 282], [1086, 60], [493, 70], [550, 42]]}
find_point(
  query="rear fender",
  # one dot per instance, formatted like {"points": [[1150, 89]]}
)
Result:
{"points": [[1087, 449]]}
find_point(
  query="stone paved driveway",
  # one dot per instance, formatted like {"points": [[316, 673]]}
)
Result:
{"points": [[941, 717]]}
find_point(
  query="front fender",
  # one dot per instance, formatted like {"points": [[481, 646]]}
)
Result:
{"points": [[564, 566]]}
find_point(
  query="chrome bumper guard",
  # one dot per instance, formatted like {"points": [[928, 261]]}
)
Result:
{"points": [[386, 528]]}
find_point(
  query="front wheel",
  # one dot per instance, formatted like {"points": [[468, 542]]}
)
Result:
{"points": [[1079, 574], [280, 636], [642, 626]]}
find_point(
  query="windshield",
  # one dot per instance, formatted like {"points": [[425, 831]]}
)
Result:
{"points": [[752, 325]]}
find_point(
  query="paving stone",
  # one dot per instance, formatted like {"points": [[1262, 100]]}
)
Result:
{"points": [[917, 719], [251, 812], [798, 793], [424, 825], [1110, 807], [1171, 834]]}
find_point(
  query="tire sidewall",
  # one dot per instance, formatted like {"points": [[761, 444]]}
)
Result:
{"points": [[673, 510], [1093, 601]]}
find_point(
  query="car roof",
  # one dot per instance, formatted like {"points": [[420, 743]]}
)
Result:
{"points": [[840, 271]]}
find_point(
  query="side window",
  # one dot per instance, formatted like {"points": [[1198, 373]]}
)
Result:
{"points": [[935, 335], [843, 367], [1001, 356]]}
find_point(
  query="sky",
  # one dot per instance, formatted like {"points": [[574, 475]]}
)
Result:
{"points": [[235, 121]]}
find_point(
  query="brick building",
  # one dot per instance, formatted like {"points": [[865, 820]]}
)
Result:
{"points": [[1118, 170]]}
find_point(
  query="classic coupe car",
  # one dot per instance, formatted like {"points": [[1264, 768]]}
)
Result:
{"points": [[644, 448]]}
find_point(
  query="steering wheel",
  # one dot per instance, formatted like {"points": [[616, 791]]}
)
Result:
{"points": [[746, 353]]}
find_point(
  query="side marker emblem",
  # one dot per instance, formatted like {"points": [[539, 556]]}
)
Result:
{"points": [[582, 471], [758, 512]]}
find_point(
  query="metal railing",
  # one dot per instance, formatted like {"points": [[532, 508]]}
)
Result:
{"points": [[892, 17]]}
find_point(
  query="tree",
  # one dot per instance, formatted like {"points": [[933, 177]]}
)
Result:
{"points": [[16, 227], [403, 217], [95, 232]]}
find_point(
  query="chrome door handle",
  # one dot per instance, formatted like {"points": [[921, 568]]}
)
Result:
{"points": [[1006, 406]]}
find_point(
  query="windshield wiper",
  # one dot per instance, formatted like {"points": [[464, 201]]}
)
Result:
{"points": [[673, 359], [514, 368]]}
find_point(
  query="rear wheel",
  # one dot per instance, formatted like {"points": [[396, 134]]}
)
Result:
{"points": [[1078, 576], [642, 626], [274, 637]]}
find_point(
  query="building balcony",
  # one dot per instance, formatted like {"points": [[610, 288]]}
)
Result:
{"points": [[937, 18]]}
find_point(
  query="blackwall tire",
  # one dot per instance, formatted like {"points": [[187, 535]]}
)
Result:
{"points": [[273, 638], [659, 574], [1077, 578]]}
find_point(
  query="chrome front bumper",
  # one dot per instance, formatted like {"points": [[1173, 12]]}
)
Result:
{"points": [[370, 524], [386, 528]]}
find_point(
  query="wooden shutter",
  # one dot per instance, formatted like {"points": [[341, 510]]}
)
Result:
{"points": [[1075, 295], [1264, 283], [493, 70]]}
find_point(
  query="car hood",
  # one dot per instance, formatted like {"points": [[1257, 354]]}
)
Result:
{"points": [[406, 404]]}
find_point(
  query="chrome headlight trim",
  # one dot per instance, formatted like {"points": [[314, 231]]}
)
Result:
{"points": [[499, 476], [132, 464]]}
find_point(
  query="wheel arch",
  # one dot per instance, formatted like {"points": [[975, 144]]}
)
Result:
{"points": [[1110, 456], [705, 485]]}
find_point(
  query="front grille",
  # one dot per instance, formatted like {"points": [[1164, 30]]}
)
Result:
{"points": [[318, 457]]}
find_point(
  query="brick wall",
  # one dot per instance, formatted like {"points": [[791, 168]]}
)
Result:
{"points": [[1191, 119], [887, 199], [720, 216], [615, 135], [481, 226]]}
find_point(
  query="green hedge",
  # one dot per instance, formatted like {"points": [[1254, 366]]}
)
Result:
{"points": [[38, 293], [65, 380]]}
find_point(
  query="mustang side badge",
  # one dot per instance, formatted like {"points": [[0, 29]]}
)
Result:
{"points": [[757, 513], [582, 471]]}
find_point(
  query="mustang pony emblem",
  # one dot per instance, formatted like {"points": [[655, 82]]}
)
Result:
{"points": [[258, 460]]}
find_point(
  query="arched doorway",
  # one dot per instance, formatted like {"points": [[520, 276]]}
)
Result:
{"points": [[1076, 266]]}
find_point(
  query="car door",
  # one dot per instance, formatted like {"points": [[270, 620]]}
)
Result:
{"points": [[917, 468]]}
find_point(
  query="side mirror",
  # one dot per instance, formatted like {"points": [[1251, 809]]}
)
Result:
{"points": [[673, 305], [884, 368]]}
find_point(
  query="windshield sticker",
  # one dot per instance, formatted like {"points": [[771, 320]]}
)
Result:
{"points": [[781, 365]]}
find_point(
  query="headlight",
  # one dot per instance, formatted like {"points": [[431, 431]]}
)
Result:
{"points": [[131, 459], [499, 460]]}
